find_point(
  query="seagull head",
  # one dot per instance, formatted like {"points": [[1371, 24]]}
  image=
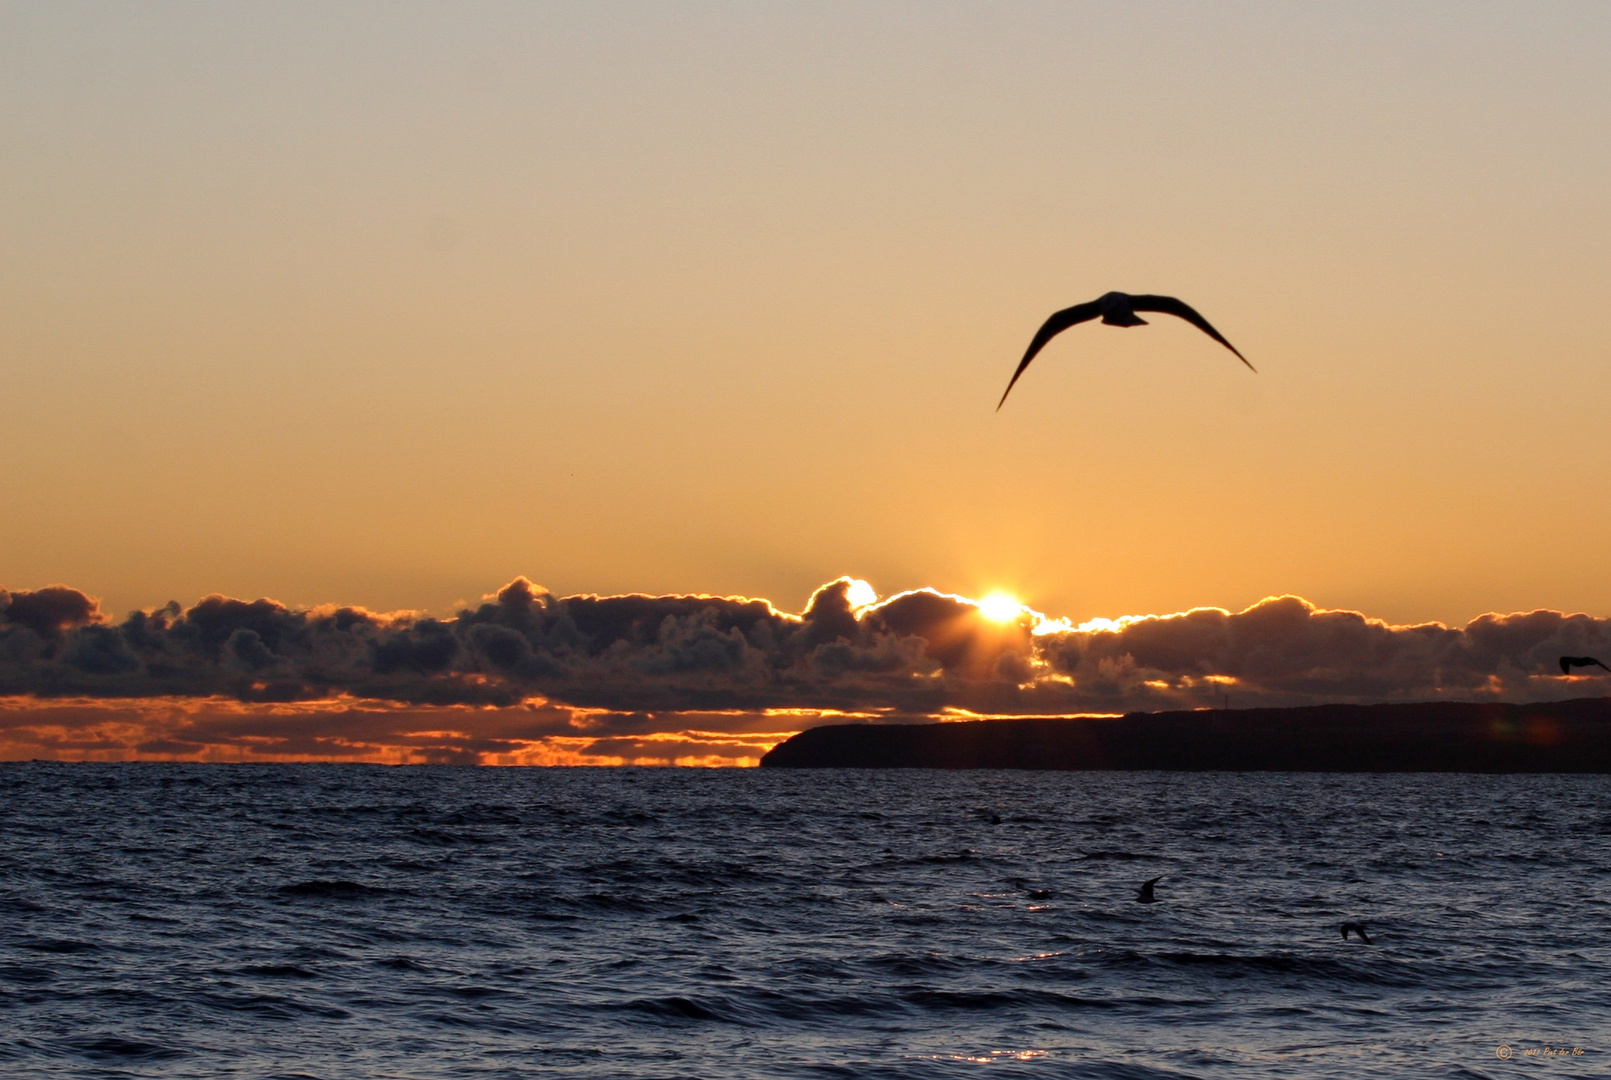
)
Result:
{"points": [[1116, 310]]}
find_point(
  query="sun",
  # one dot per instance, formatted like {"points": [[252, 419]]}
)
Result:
{"points": [[1000, 607]]}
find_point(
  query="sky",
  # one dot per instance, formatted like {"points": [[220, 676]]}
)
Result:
{"points": [[390, 305]]}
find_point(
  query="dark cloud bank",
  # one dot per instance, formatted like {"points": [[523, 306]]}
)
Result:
{"points": [[696, 677]]}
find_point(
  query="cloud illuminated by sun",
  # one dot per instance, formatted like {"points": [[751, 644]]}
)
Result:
{"points": [[1000, 607], [859, 594]]}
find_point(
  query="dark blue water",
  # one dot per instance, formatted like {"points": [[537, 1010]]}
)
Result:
{"points": [[351, 922]]}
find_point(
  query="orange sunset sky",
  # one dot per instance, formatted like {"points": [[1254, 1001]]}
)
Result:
{"points": [[387, 306]]}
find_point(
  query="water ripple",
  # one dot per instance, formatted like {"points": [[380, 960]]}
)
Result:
{"points": [[297, 922]]}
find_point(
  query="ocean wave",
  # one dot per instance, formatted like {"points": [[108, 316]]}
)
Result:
{"points": [[352, 923]]}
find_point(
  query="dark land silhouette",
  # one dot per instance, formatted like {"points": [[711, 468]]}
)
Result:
{"points": [[1490, 737], [1115, 309]]}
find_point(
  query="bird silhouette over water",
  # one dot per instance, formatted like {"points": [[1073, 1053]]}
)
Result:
{"points": [[1144, 894], [1356, 927], [1570, 662], [1115, 309]]}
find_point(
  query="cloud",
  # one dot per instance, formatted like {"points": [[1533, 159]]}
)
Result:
{"points": [[635, 673], [352, 730], [1286, 651]]}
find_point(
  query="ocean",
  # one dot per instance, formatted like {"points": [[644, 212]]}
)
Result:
{"points": [[340, 922]]}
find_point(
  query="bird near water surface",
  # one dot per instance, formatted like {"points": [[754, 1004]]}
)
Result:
{"points": [[1356, 927], [1115, 309], [1570, 662], [1144, 894]]}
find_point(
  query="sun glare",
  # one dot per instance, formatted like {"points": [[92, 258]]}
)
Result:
{"points": [[999, 607], [859, 594]]}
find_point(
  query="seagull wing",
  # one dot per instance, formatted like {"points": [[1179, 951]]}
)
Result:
{"points": [[1053, 326], [1566, 665], [1592, 660], [1168, 305]]}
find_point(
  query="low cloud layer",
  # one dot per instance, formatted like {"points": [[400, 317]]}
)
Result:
{"points": [[528, 676], [347, 730]]}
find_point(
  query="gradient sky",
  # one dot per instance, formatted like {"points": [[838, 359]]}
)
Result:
{"points": [[387, 304]]}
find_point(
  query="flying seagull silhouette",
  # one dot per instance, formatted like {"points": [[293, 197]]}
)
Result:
{"points": [[1116, 309], [1570, 662], [1144, 894], [1356, 927]]}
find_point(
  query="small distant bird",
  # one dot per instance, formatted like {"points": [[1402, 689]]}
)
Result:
{"points": [[1116, 309], [1144, 895], [1570, 662], [1356, 927], [995, 819]]}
